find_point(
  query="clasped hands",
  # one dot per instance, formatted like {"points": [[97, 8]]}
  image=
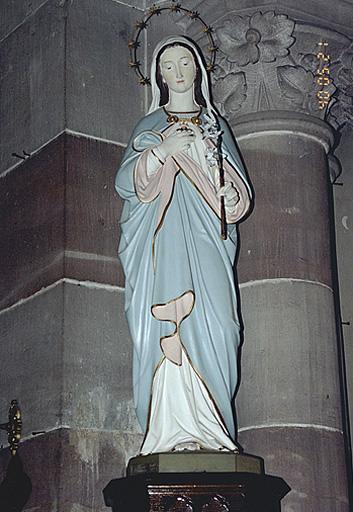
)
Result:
{"points": [[180, 139]]}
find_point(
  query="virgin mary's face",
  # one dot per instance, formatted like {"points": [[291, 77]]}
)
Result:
{"points": [[178, 68]]}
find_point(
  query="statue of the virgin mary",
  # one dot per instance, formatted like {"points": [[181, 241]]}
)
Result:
{"points": [[181, 301]]}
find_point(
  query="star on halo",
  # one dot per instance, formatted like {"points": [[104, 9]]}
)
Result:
{"points": [[175, 8], [207, 29], [210, 68], [134, 44], [145, 80], [154, 10], [134, 64], [141, 24], [194, 15]]}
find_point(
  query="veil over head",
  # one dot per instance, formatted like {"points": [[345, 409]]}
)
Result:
{"points": [[156, 96]]}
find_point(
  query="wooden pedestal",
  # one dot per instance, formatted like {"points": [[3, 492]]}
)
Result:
{"points": [[196, 492]]}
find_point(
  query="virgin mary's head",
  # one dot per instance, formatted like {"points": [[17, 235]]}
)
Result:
{"points": [[178, 69]]}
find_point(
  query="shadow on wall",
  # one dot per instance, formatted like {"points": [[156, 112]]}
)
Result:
{"points": [[16, 487]]}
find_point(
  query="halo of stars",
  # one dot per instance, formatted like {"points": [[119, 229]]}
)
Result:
{"points": [[141, 25]]}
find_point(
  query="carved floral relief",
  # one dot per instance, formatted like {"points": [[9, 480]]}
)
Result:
{"points": [[267, 61], [260, 37], [229, 91]]}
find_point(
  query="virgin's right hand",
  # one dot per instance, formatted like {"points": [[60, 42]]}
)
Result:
{"points": [[178, 140]]}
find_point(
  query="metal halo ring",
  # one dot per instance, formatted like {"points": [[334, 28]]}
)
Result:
{"points": [[134, 44]]}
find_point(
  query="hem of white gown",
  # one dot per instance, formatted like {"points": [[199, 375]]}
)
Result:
{"points": [[183, 413], [193, 446]]}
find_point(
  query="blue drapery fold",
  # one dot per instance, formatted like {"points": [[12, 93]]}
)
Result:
{"points": [[189, 255]]}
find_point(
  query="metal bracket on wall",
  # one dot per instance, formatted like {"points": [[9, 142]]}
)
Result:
{"points": [[23, 157], [13, 427]]}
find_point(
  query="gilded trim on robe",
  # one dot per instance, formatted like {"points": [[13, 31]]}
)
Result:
{"points": [[176, 322], [150, 402], [161, 222]]}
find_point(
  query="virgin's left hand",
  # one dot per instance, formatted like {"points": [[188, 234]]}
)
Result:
{"points": [[231, 197]]}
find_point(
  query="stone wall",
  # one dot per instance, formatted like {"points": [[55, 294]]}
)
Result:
{"points": [[66, 347]]}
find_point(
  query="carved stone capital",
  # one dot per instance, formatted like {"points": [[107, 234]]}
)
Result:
{"points": [[268, 61]]}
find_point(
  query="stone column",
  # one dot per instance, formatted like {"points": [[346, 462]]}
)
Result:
{"points": [[289, 403], [289, 406]]}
